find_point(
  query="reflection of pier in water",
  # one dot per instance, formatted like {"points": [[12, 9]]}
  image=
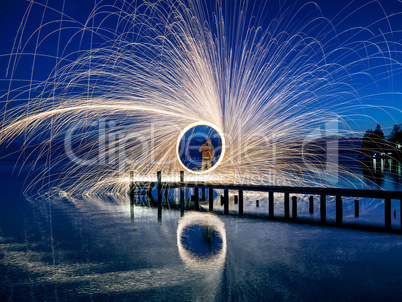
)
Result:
{"points": [[290, 213]]}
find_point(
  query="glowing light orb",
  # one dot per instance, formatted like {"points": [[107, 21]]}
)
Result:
{"points": [[184, 131]]}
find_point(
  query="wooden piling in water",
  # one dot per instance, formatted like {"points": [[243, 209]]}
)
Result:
{"points": [[271, 204], [323, 208], [294, 207], [339, 210], [357, 208], [149, 193], [236, 199], [182, 192], [311, 205], [131, 187], [196, 199], [286, 202], [166, 195], [226, 202], [159, 187], [240, 202], [132, 210], [387, 213], [203, 194], [211, 199]]}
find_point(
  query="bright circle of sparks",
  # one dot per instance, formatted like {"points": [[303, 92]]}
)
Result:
{"points": [[214, 262], [201, 124]]}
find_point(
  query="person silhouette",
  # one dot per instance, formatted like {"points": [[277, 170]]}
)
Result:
{"points": [[207, 150]]}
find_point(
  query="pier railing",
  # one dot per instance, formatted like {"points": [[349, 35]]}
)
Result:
{"points": [[323, 193]]}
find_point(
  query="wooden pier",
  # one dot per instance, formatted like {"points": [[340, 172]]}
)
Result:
{"points": [[323, 193]]}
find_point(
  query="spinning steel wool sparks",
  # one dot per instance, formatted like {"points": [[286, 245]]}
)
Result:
{"points": [[125, 84]]}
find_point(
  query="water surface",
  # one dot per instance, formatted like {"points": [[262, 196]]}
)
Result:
{"points": [[97, 248]]}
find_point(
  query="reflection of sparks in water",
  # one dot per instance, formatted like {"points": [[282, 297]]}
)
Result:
{"points": [[208, 264], [151, 69]]}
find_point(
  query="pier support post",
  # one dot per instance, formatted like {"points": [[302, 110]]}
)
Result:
{"points": [[159, 186], [240, 202], [236, 199], [182, 192], [323, 208], [311, 205], [286, 201], [357, 208], [149, 194], [203, 194], [196, 199], [387, 212], [294, 207], [132, 210], [131, 187], [339, 210], [222, 200], [271, 204], [211, 199], [166, 193], [226, 202]]}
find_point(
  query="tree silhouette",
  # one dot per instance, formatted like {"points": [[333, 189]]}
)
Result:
{"points": [[373, 142], [396, 135], [378, 132], [396, 142]]}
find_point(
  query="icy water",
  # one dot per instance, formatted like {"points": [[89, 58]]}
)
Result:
{"points": [[101, 249]]}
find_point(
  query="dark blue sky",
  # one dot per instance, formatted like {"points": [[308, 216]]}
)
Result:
{"points": [[365, 13], [12, 12]]}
